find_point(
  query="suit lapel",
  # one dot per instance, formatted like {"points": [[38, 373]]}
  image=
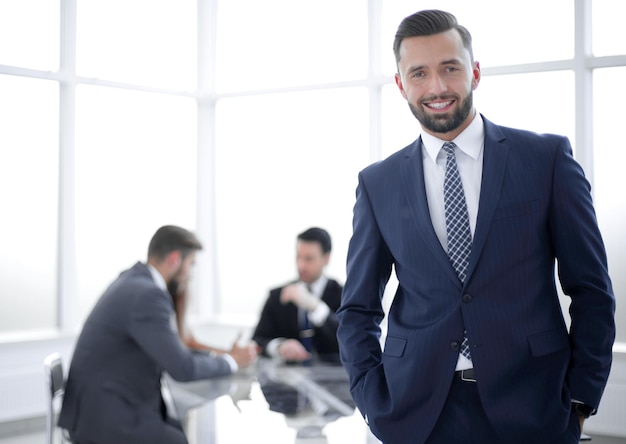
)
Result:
{"points": [[412, 174], [494, 166]]}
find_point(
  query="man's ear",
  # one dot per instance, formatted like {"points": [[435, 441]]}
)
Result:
{"points": [[476, 75], [399, 84], [326, 258], [174, 259]]}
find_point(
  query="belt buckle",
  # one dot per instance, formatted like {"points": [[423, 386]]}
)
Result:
{"points": [[471, 378]]}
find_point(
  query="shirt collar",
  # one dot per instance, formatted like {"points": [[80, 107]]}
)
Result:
{"points": [[157, 277], [317, 287], [470, 141]]}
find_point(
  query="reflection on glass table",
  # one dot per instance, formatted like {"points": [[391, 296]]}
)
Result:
{"points": [[270, 403]]}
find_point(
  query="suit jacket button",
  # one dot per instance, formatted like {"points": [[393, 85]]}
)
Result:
{"points": [[467, 298], [454, 346]]}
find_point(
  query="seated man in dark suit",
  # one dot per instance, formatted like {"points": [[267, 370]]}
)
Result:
{"points": [[113, 394], [298, 320]]}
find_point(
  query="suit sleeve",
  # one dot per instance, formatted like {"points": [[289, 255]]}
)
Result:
{"points": [[271, 324], [150, 328], [361, 312], [583, 273]]}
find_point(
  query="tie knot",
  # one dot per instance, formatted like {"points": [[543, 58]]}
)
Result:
{"points": [[448, 148]]}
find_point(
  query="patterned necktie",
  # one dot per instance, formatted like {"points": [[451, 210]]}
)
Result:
{"points": [[457, 223]]}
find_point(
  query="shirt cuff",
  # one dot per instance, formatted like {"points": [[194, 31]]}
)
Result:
{"points": [[272, 347], [320, 314], [231, 362]]}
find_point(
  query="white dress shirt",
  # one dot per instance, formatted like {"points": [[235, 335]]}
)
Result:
{"points": [[469, 159], [319, 315]]}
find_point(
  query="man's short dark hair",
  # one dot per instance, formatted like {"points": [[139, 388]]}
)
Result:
{"points": [[318, 235], [430, 22], [170, 238]]}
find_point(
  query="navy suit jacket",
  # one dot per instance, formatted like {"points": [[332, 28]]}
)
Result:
{"points": [[112, 393], [535, 208], [280, 320]]}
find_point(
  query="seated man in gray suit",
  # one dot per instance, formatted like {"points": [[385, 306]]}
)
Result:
{"points": [[112, 394]]}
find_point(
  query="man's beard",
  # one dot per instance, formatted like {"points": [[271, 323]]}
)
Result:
{"points": [[178, 283], [173, 287], [444, 123]]}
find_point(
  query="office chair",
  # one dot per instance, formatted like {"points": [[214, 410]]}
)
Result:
{"points": [[55, 382]]}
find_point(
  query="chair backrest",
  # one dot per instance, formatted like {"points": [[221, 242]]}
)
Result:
{"points": [[55, 387], [53, 366]]}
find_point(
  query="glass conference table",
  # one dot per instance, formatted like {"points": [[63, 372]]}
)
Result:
{"points": [[269, 403]]}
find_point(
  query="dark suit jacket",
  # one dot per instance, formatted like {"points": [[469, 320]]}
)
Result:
{"points": [[281, 321], [112, 394], [535, 207]]}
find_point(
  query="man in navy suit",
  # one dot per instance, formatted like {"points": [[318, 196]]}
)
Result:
{"points": [[298, 320], [526, 378], [112, 394]]}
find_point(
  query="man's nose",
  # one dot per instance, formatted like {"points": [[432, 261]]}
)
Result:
{"points": [[437, 84]]}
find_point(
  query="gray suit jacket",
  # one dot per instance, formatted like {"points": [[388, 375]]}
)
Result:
{"points": [[113, 389]]}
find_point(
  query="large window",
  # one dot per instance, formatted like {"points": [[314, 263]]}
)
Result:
{"points": [[142, 42], [135, 170], [608, 160], [29, 176], [284, 163], [248, 122], [275, 44], [29, 32]]}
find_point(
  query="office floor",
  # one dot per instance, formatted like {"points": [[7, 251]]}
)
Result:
{"points": [[39, 438]]}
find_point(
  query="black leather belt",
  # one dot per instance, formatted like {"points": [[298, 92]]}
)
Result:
{"points": [[466, 375]]}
